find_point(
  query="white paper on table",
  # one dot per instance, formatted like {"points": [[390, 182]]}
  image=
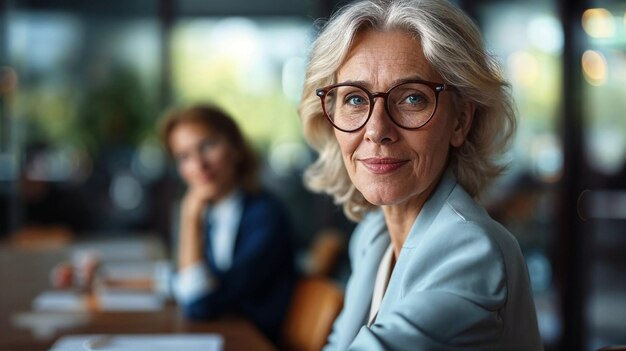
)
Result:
{"points": [[114, 300], [60, 301], [128, 269], [45, 324], [141, 342]]}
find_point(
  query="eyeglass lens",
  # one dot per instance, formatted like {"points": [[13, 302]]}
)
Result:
{"points": [[409, 105]]}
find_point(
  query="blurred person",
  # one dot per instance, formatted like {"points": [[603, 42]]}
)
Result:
{"points": [[235, 252], [408, 114]]}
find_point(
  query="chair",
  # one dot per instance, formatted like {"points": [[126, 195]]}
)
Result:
{"points": [[37, 237], [314, 306], [324, 252]]}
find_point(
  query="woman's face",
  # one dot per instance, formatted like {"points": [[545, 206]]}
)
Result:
{"points": [[205, 159], [387, 164]]}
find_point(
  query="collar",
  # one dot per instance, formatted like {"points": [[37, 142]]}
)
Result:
{"points": [[431, 208], [226, 206]]}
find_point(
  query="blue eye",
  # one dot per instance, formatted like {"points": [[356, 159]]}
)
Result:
{"points": [[356, 100], [415, 99]]}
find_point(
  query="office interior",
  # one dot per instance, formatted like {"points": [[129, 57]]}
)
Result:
{"points": [[83, 84]]}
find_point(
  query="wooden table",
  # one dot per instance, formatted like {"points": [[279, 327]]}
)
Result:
{"points": [[24, 274]]}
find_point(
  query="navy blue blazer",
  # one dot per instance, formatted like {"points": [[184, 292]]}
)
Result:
{"points": [[260, 281]]}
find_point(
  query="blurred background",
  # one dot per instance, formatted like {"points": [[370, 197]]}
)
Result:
{"points": [[82, 85]]}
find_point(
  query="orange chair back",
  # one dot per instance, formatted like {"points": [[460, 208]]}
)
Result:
{"points": [[315, 304]]}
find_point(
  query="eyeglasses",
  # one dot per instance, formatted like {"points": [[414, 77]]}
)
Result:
{"points": [[410, 104]]}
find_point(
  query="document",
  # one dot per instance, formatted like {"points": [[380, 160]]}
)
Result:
{"points": [[60, 301], [140, 342], [45, 324], [129, 301]]}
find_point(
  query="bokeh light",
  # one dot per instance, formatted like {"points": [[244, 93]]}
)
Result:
{"points": [[595, 67], [293, 78], [539, 270], [524, 68], [126, 191], [607, 149], [149, 160], [598, 23], [64, 163], [547, 157], [288, 157], [546, 34]]}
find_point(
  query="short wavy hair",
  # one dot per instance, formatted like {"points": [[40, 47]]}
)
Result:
{"points": [[453, 46], [219, 121]]}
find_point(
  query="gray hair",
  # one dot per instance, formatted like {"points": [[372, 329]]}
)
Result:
{"points": [[453, 46]]}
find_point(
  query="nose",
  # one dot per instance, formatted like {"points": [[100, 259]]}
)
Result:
{"points": [[380, 129], [198, 162]]}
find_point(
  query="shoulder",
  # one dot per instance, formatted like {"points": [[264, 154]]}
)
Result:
{"points": [[264, 209], [457, 222], [477, 225], [470, 267], [465, 252], [262, 203]]}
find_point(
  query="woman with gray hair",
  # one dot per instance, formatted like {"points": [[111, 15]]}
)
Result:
{"points": [[409, 114]]}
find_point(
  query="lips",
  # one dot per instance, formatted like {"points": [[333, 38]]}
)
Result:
{"points": [[382, 165]]}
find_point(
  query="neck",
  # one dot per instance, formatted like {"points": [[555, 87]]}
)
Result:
{"points": [[399, 222], [401, 217], [223, 194]]}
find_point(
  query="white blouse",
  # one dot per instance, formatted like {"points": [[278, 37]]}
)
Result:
{"points": [[197, 280], [380, 284]]}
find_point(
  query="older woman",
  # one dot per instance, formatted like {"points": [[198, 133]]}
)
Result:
{"points": [[408, 114], [234, 242]]}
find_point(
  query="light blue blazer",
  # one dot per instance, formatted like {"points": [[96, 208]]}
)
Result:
{"points": [[460, 283]]}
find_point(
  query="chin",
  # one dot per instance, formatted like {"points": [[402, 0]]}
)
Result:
{"points": [[382, 200], [381, 193]]}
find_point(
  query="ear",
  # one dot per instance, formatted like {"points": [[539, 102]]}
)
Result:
{"points": [[463, 123]]}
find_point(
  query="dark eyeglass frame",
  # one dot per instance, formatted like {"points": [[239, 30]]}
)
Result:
{"points": [[436, 87]]}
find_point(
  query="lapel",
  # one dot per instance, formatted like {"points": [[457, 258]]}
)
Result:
{"points": [[424, 219], [430, 210], [241, 240], [362, 285], [208, 243]]}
